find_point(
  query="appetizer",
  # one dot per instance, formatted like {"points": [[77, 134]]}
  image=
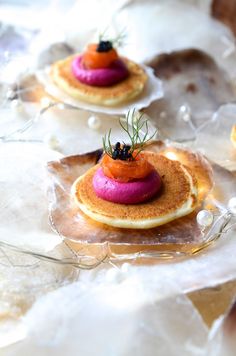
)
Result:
{"points": [[99, 75], [132, 187]]}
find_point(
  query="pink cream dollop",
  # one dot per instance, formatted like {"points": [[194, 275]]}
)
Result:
{"points": [[132, 192], [99, 77]]}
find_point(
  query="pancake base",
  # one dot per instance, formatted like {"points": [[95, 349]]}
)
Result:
{"points": [[120, 93], [178, 198]]}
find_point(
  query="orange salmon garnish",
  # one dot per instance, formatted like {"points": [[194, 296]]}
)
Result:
{"points": [[92, 59], [125, 171]]}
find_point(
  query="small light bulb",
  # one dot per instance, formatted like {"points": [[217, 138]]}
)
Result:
{"points": [[17, 106], [52, 141], [10, 94], [45, 101], [171, 155], [61, 106]]}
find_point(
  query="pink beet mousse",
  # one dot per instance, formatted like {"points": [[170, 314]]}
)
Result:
{"points": [[102, 76], [132, 192]]}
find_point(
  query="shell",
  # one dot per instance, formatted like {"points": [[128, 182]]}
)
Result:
{"points": [[192, 81], [72, 224], [225, 11]]}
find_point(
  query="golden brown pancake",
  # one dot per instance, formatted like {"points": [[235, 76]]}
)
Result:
{"points": [[119, 93], [177, 198]]}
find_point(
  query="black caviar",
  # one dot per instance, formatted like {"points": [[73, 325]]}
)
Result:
{"points": [[104, 46], [122, 153]]}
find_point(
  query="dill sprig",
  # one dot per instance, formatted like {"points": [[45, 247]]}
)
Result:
{"points": [[117, 41], [106, 142], [137, 131]]}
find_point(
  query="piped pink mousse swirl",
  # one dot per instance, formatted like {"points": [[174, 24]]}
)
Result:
{"points": [[132, 192], [99, 77]]}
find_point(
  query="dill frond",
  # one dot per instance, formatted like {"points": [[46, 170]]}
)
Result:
{"points": [[117, 41], [137, 131]]}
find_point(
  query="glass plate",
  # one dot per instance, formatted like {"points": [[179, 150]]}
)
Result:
{"points": [[181, 237]]}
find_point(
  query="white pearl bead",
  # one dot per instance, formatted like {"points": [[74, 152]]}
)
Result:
{"points": [[232, 205], [163, 115], [205, 218], [17, 106], [94, 122], [52, 141]]}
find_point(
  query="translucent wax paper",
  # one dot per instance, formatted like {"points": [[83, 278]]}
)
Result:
{"points": [[24, 279], [25, 232], [116, 314], [221, 337], [23, 216], [123, 312], [16, 117], [214, 137], [152, 91], [67, 130]]}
